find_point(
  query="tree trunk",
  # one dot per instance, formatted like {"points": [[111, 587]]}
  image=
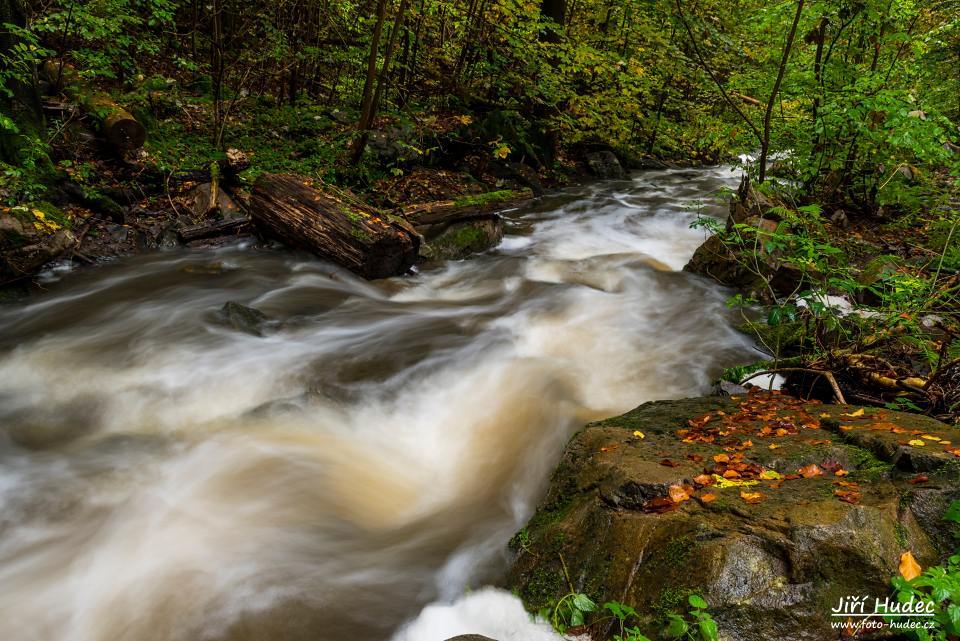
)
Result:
{"points": [[787, 48], [381, 80], [333, 225], [366, 101], [121, 129]]}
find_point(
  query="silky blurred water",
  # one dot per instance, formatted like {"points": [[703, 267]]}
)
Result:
{"points": [[164, 476]]}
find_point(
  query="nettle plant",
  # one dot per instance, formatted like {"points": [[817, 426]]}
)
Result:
{"points": [[572, 610]]}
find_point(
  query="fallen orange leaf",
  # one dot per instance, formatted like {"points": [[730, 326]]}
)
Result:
{"points": [[848, 496], [721, 458], [677, 494], [841, 472], [809, 471], [709, 497], [751, 497], [909, 568], [703, 479]]}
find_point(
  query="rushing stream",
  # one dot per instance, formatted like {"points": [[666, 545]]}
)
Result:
{"points": [[165, 477]]}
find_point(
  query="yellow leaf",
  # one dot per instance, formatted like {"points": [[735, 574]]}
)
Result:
{"points": [[639, 434], [770, 475], [722, 482], [859, 412], [930, 437], [909, 568], [917, 443], [774, 446], [751, 497]]}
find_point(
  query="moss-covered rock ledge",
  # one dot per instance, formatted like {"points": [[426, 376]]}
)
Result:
{"points": [[779, 507]]}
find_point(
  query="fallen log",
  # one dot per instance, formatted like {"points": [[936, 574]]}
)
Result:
{"points": [[333, 225], [116, 124], [425, 217]]}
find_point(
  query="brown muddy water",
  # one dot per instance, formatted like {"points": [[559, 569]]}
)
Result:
{"points": [[165, 477]]}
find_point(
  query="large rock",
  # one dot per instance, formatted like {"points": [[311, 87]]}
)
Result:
{"points": [[462, 239], [770, 569], [29, 238], [604, 164], [759, 272]]}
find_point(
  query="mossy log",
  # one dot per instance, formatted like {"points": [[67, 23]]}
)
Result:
{"points": [[333, 225], [433, 217], [121, 129]]}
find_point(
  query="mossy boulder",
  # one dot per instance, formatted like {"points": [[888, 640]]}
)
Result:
{"points": [[31, 236], [462, 239], [771, 566]]}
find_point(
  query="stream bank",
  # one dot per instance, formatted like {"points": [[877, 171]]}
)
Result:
{"points": [[769, 507]]}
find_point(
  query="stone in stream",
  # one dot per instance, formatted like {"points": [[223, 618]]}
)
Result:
{"points": [[604, 164], [470, 637], [461, 239], [248, 320], [773, 556]]}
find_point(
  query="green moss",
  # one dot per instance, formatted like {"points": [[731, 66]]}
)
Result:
{"points": [[678, 550], [867, 465], [900, 533], [520, 540], [671, 599], [360, 234], [467, 237], [24, 213], [544, 586], [487, 198]]}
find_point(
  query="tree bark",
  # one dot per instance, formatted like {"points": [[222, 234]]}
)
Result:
{"points": [[382, 79], [787, 48], [333, 225], [366, 101], [121, 129]]}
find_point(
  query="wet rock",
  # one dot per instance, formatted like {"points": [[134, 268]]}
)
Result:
{"points": [[248, 320], [715, 259], [517, 175], [770, 569], [31, 236], [168, 239], [208, 203], [462, 239], [604, 164]]}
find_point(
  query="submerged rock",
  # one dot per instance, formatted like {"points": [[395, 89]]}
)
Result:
{"points": [[248, 320], [813, 503]]}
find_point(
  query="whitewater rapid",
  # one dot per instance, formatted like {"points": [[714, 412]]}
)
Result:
{"points": [[354, 473]]}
